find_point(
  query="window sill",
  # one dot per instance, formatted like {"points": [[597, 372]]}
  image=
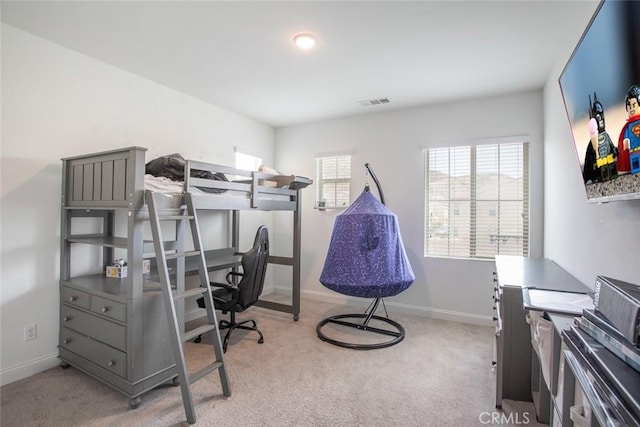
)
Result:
{"points": [[330, 208]]}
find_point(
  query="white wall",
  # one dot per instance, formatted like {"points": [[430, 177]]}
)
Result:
{"points": [[392, 143], [58, 103], [585, 239]]}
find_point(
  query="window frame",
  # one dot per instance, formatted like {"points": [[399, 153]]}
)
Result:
{"points": [[321, 201], [524, 248]]}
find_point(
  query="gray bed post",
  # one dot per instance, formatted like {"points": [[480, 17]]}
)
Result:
{"points": [[297, 234], [65, 224]]}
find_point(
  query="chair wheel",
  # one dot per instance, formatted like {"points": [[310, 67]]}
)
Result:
{"points": [[261, 341], [198, 339]]}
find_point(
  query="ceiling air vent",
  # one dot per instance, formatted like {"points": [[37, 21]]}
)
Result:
{"points": [[377, 101]]}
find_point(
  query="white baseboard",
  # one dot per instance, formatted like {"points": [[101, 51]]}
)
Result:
{"points": [[339, 299], [32, 367], [29, 368], [434, 313]]}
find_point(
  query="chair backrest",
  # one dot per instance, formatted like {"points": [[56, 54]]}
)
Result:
{"points": [[254, 267]]}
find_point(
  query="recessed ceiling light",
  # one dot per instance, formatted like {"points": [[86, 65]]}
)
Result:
{"points": [[305, 41]]}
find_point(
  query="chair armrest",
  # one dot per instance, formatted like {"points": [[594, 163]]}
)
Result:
{"points": [[233, 273], [223, 285]]}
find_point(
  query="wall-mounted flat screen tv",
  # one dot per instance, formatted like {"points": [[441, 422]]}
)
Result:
{"points": [[601, 90]]}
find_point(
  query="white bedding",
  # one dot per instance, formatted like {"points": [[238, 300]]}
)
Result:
{"points": [[169, 187], [161, 184]]}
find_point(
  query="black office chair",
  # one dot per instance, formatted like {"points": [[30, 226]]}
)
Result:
{"points": [[235, 298]]}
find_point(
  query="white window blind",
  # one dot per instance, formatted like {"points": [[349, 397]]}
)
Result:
{"points": [[333, 178], [477, 200]]}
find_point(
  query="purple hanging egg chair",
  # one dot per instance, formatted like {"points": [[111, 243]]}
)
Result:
{"points": [[366, 258]]}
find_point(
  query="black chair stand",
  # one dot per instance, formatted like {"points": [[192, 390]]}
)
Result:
{"points": [[396, 335]]}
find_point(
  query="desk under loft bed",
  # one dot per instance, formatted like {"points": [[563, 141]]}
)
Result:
{"points": [[113, 328]]}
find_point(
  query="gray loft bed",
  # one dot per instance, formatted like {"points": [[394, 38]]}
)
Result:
{"points": [[115, 179], [109, 326]]}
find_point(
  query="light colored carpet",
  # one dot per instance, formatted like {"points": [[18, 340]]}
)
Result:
{"points": [[440, 375]]}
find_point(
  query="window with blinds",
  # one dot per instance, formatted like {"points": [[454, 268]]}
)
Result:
{"points": [[477, 200], [247, 161], [333, 179]]}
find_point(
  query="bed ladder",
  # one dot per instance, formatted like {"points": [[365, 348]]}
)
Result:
{"points": [[174, 249]]}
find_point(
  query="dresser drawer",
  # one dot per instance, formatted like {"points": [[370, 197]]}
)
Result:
{"points": [[95, 327], [75, 297], [109, 308], [98, 353]]}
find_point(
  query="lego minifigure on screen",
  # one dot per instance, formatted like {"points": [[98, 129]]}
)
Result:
{"points": [[599, 162], [629, 140]]}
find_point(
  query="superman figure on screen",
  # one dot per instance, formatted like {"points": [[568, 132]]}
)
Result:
{"points": [[629, 140]]}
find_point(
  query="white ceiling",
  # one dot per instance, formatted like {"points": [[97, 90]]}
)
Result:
{"points": [[239, 54]]}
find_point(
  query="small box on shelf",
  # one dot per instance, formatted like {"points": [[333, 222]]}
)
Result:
{"points": [[118, 272]]}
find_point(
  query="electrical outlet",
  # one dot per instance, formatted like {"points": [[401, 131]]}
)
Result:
{"points": [[30, 332]]}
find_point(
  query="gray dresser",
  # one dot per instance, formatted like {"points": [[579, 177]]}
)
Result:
{"points": [[513, 358], [114, 329]]}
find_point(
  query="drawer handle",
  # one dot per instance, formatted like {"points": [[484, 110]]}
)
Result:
{"points": [[111, 363], [495, 318], [104, 309], [66, 318], [66, 341], [73, 298]]}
